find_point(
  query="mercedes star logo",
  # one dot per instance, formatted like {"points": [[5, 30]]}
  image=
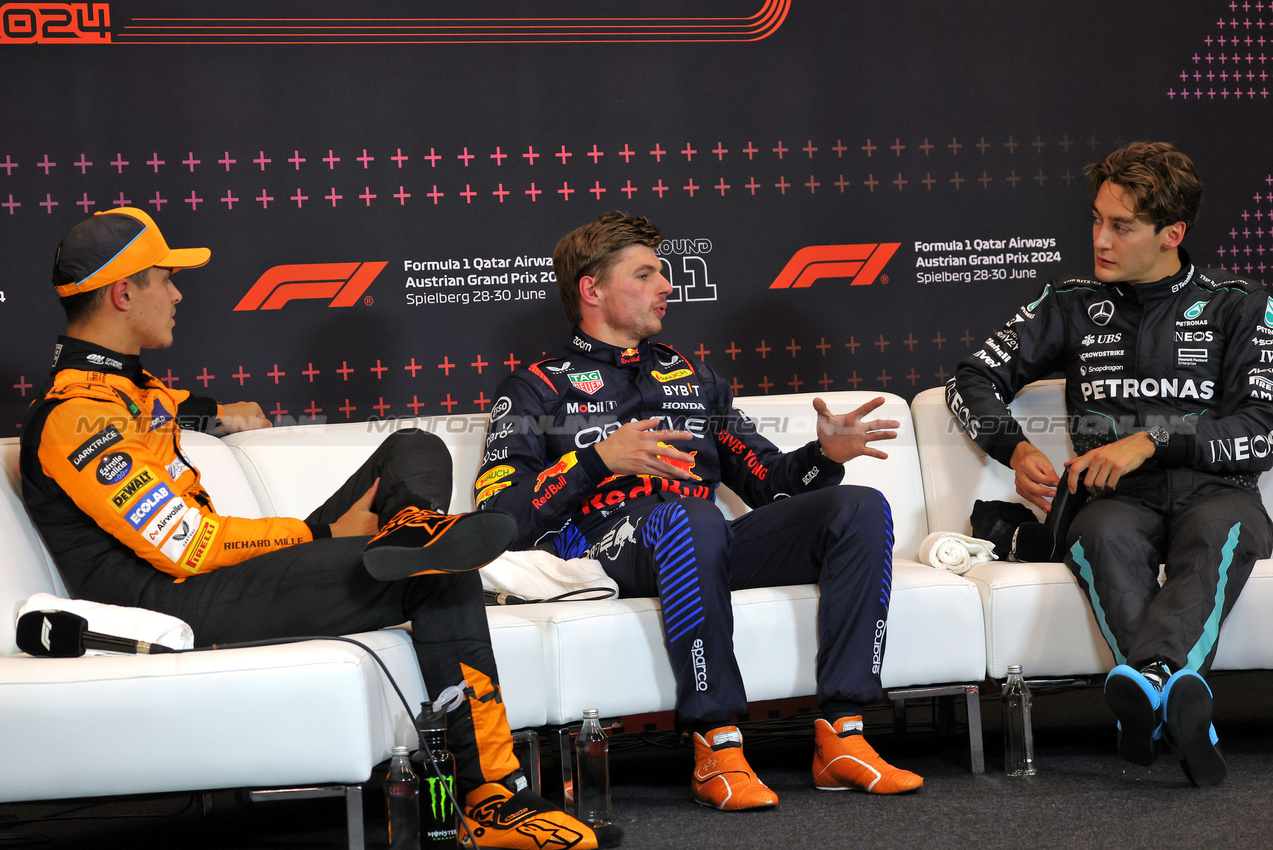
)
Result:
{"points": [[1102, 312]]}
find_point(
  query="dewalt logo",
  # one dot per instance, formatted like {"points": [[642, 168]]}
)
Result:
{"points": [[863, 263], [342, 283], [124, 495]]}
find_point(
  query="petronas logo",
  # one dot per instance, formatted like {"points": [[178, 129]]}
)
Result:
{"points": [[1030, 308], [1268, 313], [1196, 310], [439, 800]]}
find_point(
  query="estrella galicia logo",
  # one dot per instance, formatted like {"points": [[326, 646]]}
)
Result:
{"points": [[1196, 310], [1103, 311], [1268, 313], [112, 468]]}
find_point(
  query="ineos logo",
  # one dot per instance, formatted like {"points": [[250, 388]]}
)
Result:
{"points": [[1101, 312]]}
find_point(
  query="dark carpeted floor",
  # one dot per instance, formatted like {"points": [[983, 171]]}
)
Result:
{"points": [[1082, 797]]}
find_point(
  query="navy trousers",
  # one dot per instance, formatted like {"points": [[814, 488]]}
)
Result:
{"points": [[685, 552]]}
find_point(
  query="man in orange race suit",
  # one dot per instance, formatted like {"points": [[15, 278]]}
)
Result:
{"points": [[129, 522]]}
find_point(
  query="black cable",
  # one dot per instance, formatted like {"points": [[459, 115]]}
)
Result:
{"points": [[401, 696]]}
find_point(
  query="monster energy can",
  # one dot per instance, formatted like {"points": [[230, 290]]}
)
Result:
{"points": [[436, 769]]}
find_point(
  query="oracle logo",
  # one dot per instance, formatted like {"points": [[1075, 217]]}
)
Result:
{"points": [[341, 283]]}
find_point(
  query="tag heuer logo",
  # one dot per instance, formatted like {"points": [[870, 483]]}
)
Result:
{"points": [[1196, 310], [589, 382], [1103, 311]]}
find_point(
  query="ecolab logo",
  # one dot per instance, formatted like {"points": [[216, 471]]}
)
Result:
{"points": [[343, 283], [863, 263]]}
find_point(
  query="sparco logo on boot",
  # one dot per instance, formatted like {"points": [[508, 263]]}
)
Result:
{"points": [[1101, 312], [340, 283]]}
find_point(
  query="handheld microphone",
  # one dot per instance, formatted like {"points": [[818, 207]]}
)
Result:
{"points": [[61, 634]]}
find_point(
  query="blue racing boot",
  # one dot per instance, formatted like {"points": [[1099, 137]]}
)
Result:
{"points": [[1137, 703], [1187, 716]]}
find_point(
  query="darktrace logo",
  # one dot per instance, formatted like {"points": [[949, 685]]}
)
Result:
{"points": [[341, 283], [863, 263]]}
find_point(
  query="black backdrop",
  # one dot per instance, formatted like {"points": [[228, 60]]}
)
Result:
{"points": [[381, 194]]}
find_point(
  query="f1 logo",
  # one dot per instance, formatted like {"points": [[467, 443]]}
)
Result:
{"points": [[343, 283], [863, 263]]}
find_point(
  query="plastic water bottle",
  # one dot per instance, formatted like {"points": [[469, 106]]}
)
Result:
{"points": [[402, 795], [437, 777], [592, 772], [1018, 734]]}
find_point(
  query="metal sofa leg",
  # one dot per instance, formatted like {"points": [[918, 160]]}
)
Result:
{"points": [[972, 696], [529, 757], [353, 804]]}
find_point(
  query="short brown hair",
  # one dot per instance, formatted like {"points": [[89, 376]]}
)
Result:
{"points": [[1160, 179], [589, 251], [81, 306]]}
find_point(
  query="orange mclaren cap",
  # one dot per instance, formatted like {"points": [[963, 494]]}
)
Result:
{"points": [[114, 244]]}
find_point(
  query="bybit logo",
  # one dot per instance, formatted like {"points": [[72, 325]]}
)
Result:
{"points": [[863, 263], [343, 283]]}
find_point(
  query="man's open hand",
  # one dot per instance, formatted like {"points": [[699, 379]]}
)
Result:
{"points": [[847, 435]]}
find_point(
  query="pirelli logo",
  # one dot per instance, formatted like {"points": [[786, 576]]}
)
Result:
{"points": [[341, 284], [863, 263], [199, 547]]}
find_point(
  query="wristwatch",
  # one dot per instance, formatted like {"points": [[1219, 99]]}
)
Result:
{"points": [[1161, 437]]}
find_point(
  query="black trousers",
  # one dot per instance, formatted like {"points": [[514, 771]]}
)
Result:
{"points": [[321, 588], [685, 552], [1207, 531]]}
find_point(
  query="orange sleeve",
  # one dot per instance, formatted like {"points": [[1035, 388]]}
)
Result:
{"points": [[128, 478]]}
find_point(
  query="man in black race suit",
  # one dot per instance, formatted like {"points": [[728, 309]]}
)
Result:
{"points": [[613, 447], [129, 522], [1169, 401]]}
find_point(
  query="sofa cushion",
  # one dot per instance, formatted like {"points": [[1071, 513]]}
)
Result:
{"points": [[311, 712]]}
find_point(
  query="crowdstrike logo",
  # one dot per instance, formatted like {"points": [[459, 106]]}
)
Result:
{"points": [[863, 263], [342, 283]]}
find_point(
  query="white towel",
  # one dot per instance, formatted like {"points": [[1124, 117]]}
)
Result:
{"points": [[958, 553], [135, 623], [535, 574]]}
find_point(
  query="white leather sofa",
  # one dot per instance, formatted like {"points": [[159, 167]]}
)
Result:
{"points": [[319, 713], [1035, 614]]}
